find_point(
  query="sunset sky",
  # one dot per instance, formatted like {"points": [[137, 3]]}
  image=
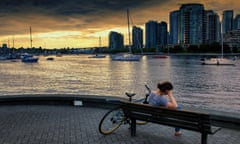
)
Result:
{"points": [[80, 23]]}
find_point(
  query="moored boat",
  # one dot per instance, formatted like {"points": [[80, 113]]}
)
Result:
{"points": [[130, 56], [50, 58], [217, 61], [97, 56], [28, 58], [126, 57], [160, 56]]}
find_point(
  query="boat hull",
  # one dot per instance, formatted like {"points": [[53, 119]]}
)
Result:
{"points": [[29, 59], [160, 56], [217, 61], [126, 58]]}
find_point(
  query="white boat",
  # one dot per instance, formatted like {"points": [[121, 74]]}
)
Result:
{"points": [[126, 57], [3, 58], [28, 58], [218, 61], [130, 56]]}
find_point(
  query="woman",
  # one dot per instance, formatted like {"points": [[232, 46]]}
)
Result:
{"points": [[157, 98]]}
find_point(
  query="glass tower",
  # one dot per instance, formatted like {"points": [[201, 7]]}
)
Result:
{"points": [[237, 22], [192, 24], [115, 40], [151, 34], [213, 29], [137, 37], [174, 17], [162, 34], [227, 21]]}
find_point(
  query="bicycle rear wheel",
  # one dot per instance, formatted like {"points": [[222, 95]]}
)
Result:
{"points": [[111, 121]]}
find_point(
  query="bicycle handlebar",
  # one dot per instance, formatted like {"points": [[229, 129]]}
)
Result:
{"points": [[130, 95], [147, 87], [149, 91]]}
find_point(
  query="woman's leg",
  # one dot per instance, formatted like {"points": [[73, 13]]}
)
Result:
{"points": [[177, 129]]}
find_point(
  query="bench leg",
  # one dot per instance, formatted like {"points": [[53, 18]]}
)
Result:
{"points": [[133, 127], [204, 138]]}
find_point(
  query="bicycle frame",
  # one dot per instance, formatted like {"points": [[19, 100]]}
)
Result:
{"points": [[118, 117]]}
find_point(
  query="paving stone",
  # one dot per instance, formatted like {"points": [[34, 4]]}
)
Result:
{"points": [[51, 124]]}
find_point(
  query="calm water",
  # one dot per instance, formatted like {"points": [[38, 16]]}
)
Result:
{"points": [[210, 87]]}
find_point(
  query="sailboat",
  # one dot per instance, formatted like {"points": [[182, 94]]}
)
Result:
{"points": [[130, 56], [98, 55], [218, 61], [28, 58]]}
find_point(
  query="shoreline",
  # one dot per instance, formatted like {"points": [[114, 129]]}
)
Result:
{"points": [[194, 54]]}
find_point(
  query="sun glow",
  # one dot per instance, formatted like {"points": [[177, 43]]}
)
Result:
{"points": [[59, 34]]}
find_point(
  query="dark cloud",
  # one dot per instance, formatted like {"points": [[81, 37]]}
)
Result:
{"points": [[47, 15], [71, 7]]}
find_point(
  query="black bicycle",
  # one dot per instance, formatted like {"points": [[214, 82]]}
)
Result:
{"points": [[114, 118]]}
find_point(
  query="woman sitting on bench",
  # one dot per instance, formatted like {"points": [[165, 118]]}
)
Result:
{"points": [[156, 98]]}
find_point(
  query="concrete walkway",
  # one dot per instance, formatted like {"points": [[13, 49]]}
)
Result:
{"points": [[63, 124]]}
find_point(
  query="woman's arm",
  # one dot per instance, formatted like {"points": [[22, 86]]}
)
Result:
{"points": [[172, 101]]}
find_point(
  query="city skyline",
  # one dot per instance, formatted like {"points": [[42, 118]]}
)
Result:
{"points": [[79, 24]]}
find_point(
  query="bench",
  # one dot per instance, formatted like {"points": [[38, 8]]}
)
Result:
{"points": [[189, 120]]}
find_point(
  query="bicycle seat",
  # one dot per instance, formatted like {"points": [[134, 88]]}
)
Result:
{"points": [[130, 94]]}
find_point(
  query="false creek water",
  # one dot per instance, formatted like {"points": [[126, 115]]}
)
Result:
{"points": [[195, 85]]}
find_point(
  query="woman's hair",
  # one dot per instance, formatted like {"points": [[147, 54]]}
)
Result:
{"points": [[164, 86]]}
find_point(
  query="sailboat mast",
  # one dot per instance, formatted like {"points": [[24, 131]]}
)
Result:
{"points": [[13, 42], [100, 43], [222, 39], [129, 41], [30, 37]]}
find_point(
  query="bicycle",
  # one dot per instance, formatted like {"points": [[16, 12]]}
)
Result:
{"points": [[115, 117]]}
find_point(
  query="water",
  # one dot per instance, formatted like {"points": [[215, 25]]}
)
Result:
{"points": [[195, 85]]}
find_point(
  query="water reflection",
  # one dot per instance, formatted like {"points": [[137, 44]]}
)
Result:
{"points": [[215, 87]]}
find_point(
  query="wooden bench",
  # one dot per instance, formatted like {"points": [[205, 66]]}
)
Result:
{"points": [[189, 120]]}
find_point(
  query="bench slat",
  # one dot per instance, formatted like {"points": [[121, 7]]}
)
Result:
{"points": [[194, 126]]}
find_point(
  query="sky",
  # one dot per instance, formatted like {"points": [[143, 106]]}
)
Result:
{"points": [[80, 23]]}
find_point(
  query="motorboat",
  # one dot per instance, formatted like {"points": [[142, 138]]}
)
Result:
{"points": [[3, 58], [126, 57], [28, 58]]}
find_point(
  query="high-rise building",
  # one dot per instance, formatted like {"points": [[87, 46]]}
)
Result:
{"points": [[162, 34], [115, 40], [174, 17], [227, 21], [237, 22], [192, 24], [232, 38], [213, 29], [137, 37], [151, 34]]}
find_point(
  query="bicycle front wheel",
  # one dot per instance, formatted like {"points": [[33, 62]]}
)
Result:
{"points": [[111, 121]]}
